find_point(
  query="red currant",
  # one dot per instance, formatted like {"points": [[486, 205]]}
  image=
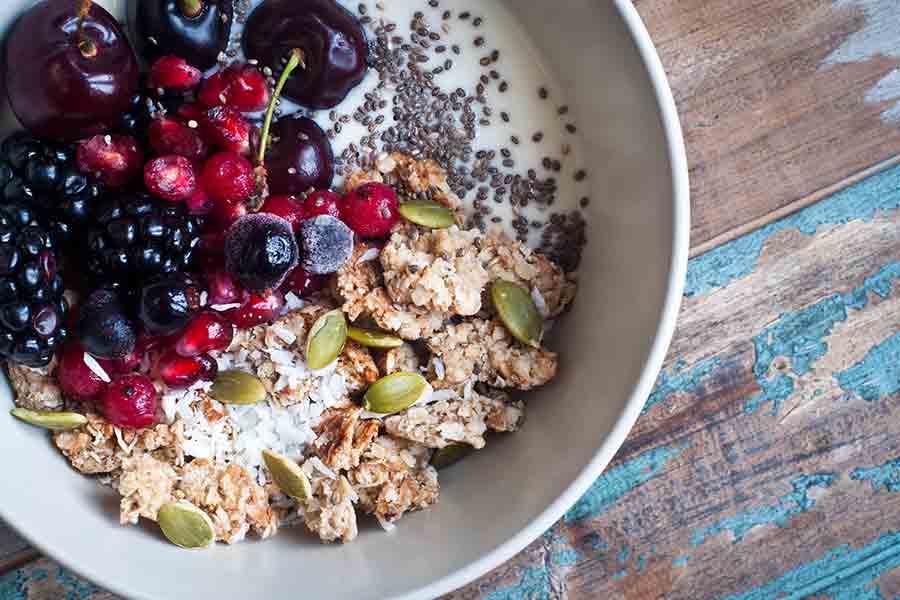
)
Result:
{"points": [[241, 86], [76, 379], [371, 210], [288, 208], [323, 202], [228, 177], [130, 401], [168, 136], [302, 283], [173, 73]]}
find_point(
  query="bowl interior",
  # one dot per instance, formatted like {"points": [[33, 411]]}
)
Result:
{"points": [[495, 494]]}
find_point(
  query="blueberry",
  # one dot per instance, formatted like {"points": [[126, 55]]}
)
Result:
{"points": [[102, 327], [326, 244], [167, 304], [260, 250]]}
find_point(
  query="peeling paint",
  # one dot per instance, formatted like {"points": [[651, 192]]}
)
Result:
{"points": [[841, 574], [679, 380], [620, 480], [798, 338], [736, 259], [779, 514], [880, 36], [885, 476]]}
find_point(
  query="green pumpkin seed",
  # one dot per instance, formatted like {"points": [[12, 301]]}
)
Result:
{"points": [[395, 392], [326, 340], [237, 387], [186, 526], [374, 339], [56, 421], [517, 311], [449, 455], [288, 475], [427, 214]]}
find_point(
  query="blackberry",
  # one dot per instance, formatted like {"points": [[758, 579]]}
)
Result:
{"points": [[32, 306], [134, 237], [45, 177]]}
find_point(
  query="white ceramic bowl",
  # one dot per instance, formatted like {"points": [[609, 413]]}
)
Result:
{"points": [[499, 500]]}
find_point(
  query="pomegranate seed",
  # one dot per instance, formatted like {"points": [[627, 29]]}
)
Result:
{"points": [[256, 309], [207, 332], [371, 210], [222, 288], [76, 379], [199, 203], [130, 401], [170, 177], [114, 159], [173, 73], [228, 177], [168, 136], [289, 208], [240, 86], [184, 371], [226, 129], [302, 283], [323, 202]]}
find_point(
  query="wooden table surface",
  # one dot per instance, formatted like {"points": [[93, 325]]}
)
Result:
{"points": [[767, 461]]}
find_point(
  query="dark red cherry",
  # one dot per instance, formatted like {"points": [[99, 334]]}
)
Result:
{"points": [[331, 39], [196, 30], [66, 82], [300, 159]]}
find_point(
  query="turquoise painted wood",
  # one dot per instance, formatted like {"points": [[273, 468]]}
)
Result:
{"points": [[767, 462]]}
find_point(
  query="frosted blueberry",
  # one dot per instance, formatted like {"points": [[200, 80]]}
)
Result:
{"points": [[326, 244], [260, 250]]}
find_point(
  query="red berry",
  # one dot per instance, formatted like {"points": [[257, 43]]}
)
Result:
{"points": [[289, 208], [130, 402], [199, 203], [228, 177], [256, 309], [129, 362], [184, 371], [371, 210], [207, 332], [173, 73], [302, 283], [76, 379], [323, 202], [190, 111], [222, 288], [168, 136], [224, 215], [170, 177], [226, 129], [240, 86], [115, 159]]}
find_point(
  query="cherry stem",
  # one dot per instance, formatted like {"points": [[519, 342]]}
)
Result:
{"points": [[297, 59], [86, 45], [190, 8]]}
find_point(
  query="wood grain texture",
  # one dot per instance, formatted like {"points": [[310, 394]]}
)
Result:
{"points": [[777, 99]]}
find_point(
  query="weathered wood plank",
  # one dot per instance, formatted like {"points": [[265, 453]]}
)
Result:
{"points": [[777, 99]]}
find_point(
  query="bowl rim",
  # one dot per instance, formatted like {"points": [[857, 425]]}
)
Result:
{"points": [[652, 366], [666, 329]]}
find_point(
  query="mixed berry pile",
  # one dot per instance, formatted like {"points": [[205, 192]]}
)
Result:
{"points": [[167, 210]]}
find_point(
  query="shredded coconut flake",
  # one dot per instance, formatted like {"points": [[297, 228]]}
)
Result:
{"points": [[367, 256], [94, 366], [439, 369], [317, 463], [293, 301], [539, 302], [224, 307]]}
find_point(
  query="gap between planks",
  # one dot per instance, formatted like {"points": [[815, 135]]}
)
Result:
{"points": [[793, 207]]}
